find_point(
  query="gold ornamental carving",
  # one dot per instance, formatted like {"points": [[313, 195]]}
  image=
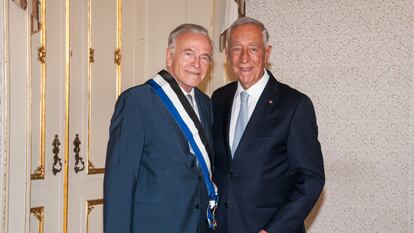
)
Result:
{"points": [[38, 213]]}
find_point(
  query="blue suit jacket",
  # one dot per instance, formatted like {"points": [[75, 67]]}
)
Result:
{"points": [[152, 183], [277, 172]]}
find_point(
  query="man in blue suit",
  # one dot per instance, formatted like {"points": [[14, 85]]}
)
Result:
{"points": [[158, 172], [268, 161]]}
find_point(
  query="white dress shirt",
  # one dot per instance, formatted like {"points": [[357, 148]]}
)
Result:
{"points": [[254, 92]]}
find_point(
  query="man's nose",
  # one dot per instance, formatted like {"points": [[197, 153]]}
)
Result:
{"points": [[244, 55], [196, 61]]}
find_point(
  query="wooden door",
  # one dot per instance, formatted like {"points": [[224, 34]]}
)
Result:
{"points": [[95, 83], [45, 98]]}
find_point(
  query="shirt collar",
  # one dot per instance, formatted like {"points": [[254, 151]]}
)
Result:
{"points": [[256, 90], [186, 93]]}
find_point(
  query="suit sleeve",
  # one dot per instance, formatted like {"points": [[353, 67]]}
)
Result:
{"points": [[306, 166], [122, 163]]}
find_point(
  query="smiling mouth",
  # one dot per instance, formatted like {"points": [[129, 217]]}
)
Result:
{"points": [[245, 69], [193, 73]]}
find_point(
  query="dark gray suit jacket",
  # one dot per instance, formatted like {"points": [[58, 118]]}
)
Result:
{"points": [[152, 183]]}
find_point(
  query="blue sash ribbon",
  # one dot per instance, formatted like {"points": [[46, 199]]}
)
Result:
{"points": [[174, 100]]}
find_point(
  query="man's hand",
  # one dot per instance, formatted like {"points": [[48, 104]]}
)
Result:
{"points": [[263, 231]]}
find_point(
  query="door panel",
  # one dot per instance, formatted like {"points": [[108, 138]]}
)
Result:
{"points": [[36, 95], [94, 86], [46, 113], [103, 78]]}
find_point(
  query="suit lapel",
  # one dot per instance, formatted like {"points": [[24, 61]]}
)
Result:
{"points": [[228, 105], [267, 98], [202, 111]]}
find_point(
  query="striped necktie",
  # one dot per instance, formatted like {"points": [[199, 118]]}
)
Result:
{"points": [[190, 100]]}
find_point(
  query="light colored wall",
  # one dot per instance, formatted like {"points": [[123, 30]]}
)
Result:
{"points": [[355, 60], [2, 123]]}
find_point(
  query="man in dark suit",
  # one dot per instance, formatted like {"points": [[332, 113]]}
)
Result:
{"points": [[268, 161], [158, 172]]}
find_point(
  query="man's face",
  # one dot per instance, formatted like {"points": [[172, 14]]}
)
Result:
{"points": [[247, 54], [190, 60]]}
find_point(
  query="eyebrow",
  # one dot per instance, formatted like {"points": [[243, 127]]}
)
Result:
{"points": [[250, 44], [191, 50], [188, 50]]}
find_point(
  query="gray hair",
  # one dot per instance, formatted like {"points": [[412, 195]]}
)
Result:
{"points": [[187, 27], [248, 21]]}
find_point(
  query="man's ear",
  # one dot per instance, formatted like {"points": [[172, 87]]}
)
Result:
{"points": [[268, 51], [168, 57], [225, 51]]}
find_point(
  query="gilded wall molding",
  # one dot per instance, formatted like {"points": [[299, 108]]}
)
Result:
{"points": [[92, 170], [90, 205], [38, 213], [39, 172], [118, 54], [67, 95]]}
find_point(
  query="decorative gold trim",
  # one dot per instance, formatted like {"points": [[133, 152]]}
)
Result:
{"points": [[67, 95], [92, 170], [93, 203], [39, 173], [90, 205], [91, 55], [88, 153], [38, 212], [41, 54], [43, 87], [117, 57], [118, 46]]}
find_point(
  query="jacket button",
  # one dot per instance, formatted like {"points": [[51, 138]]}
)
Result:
{"points": [[231, 174], [197, 206], [226, 205], [199, 178]]}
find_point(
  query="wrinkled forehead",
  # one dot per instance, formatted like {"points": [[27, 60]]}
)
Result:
{"points": [[196, 42], [246, 33]]}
